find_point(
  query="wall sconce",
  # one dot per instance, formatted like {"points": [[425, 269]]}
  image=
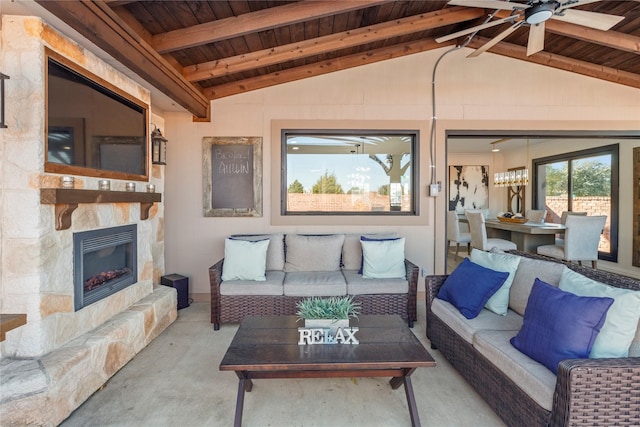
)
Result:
{"points": [[158, 148], [3, 77]]}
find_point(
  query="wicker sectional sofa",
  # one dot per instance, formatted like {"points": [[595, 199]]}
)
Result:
{"points": [[299, 266], [523, 392]]}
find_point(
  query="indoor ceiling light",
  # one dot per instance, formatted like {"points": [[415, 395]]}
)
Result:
{"points": [[540, 12], [511, 177]]}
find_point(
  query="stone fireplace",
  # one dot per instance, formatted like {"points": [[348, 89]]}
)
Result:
{"points": [[104, 262], [66, 351]]}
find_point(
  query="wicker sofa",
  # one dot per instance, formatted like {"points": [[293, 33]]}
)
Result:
{"points": [[585, 392], [292, 274]]}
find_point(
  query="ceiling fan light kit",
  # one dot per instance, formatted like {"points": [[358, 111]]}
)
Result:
{"points": [[534, 13], [540, 12]]}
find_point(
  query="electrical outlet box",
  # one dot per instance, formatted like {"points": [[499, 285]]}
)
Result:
{"points": [[424, 272], [434, 189]]}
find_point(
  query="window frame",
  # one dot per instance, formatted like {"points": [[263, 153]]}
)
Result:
{"points": [[414, 174], [614, 151]]}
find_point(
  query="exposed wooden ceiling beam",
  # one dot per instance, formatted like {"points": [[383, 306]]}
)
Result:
{"points": [[323, 67], [318, 45], [561, 63], [102, 26], [261, 20], [612, 39]]}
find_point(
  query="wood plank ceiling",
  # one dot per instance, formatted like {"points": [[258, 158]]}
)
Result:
{"points": [[196, 51]]}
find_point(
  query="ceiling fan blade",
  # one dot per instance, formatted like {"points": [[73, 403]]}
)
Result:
{"points": [[489, 4], [599, 21], [497, 39], [536, 39], [476, 28]]}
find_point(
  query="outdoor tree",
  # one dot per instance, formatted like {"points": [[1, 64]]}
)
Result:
{"points": [[392, 166], [383, 190], [395, 170], [296, 187], [590, 178], [327, 184]]}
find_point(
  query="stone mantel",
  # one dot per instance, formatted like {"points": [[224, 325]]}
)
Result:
{"points": [[67, 200]]}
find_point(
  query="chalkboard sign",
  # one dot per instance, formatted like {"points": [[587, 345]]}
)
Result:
{"points": [[232, 176]]}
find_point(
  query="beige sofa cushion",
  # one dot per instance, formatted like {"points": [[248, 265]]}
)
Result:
{"points": [[634, 349], [532, 377], [527, 272], [467, 328], [315, 283], [272, 286], [313, 253], [357, 285]]}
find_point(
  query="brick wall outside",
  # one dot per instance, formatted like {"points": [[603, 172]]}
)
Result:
{"points": [[592, 205], [304, 202]]}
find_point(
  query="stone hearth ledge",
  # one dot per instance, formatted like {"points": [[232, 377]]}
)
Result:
{"points": [[44, 391]]}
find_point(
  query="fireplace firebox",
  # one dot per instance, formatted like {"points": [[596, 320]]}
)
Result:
{"points": [[104, 262]]}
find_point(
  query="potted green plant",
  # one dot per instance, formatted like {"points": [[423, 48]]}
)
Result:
{"points": [[330, 312]]}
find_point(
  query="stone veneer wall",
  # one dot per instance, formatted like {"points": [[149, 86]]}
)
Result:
{"points": [[36, 265]]}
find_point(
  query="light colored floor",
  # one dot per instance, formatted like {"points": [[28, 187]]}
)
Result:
{"points": [[175, 381], [452, 260]]}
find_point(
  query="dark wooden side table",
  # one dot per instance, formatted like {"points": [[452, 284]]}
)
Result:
{"points": [[267, 347]]}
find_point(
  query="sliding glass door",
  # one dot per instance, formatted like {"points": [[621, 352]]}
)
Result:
{"points": [[583, 181]]}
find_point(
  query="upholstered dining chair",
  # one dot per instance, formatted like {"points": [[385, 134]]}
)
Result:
{"points": [[565, 214], [537, 216], [581, 238], [563, 221], [454, 234], [479, 238]]}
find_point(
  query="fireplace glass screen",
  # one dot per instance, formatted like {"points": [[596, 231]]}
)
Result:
{"points": [[105, 262]]}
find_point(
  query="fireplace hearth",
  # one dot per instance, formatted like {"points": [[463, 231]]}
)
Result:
{"points": [[104, 262]]}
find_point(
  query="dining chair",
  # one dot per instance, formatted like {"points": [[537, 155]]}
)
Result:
{"points": [[537, 216], [479, 238], [581, 239], [563, 221], [565, 214], [454, 234]]}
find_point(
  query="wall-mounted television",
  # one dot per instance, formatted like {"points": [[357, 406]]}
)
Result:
{"points": [[93, 128]]}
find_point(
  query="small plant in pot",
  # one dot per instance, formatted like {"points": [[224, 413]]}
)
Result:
{"points": [[327, 312]]}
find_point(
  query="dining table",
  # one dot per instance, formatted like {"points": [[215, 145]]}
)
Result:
{"points": [[527, 236]]}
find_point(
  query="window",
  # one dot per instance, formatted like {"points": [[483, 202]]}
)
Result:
{"points": [[582, 181], [349, 173]]}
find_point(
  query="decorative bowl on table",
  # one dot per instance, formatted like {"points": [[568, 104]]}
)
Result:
{"points": [[513, 219]]}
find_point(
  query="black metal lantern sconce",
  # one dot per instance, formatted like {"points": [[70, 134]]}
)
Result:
{"points": [[158, 148]]}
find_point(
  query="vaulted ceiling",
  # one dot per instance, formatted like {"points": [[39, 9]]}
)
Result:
{"points": [[196, 51]]}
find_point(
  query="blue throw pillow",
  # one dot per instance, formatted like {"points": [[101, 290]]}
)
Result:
{"points": [[470, 286], [559, 325]]}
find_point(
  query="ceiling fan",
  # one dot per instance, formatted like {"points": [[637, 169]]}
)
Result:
{"points": [[533, 13]]}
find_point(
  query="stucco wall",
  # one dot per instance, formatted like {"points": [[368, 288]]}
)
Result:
{"points": [[489, 92]]}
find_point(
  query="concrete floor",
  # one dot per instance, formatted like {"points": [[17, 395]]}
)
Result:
{"points": [[175, 381]]}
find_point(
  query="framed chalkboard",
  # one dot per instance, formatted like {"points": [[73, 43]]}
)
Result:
{"points": [[232, 176]]}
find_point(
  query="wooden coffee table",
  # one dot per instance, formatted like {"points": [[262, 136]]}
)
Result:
{"points": [[267, 347]]}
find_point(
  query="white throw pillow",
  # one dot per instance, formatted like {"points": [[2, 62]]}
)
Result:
{"points": [[499, 302], [245, 260], [621, 323], [383, 259]]}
